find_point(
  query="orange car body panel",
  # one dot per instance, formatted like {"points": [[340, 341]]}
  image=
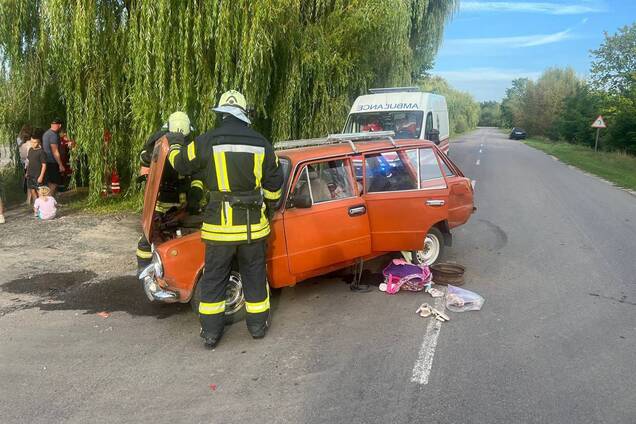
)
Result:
{"points": [[305, 243]]}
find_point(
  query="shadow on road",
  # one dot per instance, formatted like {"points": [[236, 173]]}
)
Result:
{"points": [[75, 291]]}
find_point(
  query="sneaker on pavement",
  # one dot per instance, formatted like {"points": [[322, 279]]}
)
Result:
{"points": [[1, 219]]}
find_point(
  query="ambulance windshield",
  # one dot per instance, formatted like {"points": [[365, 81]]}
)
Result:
{"points": [[404, 124]]}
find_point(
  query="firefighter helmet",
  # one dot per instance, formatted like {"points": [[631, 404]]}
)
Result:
{"points": [[179, 122], [233, 98]]}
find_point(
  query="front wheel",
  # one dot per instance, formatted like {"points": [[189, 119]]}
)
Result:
{"points": [[433, 247], [234, 299]]}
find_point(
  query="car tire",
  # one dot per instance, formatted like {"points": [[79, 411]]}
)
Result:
{"points": [[236, 313], [433, 248]]}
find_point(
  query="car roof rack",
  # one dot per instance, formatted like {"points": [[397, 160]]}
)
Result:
{"points": [[395, 90], [349, 138]]}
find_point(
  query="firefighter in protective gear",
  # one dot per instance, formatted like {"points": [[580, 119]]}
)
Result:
{"points": [[176, 191], [242, 174]]}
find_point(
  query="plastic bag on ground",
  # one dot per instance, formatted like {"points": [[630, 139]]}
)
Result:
{"points": [[462, 300]]}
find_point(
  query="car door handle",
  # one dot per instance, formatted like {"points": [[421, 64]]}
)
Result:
{"points": [[357, 210], [435, 202]]}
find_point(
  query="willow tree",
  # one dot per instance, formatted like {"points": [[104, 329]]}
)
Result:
{"points": [[123, 66]]}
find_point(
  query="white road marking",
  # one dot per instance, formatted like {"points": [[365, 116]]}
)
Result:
{"points": [[481, 145], [479, 150], [424, 362], [478, 162]]}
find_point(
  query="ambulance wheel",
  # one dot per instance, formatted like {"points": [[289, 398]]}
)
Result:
{"points": [[234, 299], [433, 247]]}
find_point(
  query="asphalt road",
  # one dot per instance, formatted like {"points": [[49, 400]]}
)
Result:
{"points": [[550, 248]]}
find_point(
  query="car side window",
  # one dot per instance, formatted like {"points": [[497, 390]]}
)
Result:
{"points": [[388, 171], [325, 181], [445, 168], [430, 173]]}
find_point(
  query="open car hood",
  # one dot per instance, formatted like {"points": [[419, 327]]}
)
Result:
{"points": [[151, 194]]}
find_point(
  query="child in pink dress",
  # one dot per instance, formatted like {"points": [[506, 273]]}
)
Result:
{"points": [[45, 206]]}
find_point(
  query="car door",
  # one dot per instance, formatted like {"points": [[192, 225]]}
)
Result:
{"points": [[405, 196], [460, 197], [326, 220]]}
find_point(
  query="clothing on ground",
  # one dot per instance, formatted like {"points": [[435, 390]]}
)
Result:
{"points": [[49, 138], [46, 207]]}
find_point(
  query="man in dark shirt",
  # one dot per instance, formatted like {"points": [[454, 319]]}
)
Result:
{"points": [[55, 167]]}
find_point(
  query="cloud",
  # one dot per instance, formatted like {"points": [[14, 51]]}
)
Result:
{"points": [[494, 45], [485, 83], [528, 7], [487, 74]]}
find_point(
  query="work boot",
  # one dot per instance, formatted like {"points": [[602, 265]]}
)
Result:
{"points": [[210, 341], [260, 332]]}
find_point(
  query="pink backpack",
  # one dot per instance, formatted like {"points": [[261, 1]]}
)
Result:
{"points": [[400, 274]]}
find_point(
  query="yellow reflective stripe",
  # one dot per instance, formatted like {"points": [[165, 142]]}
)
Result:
{"points": [[211, 308], [272, 195], [258, 169], [220, 166], [228, 214], [143, 254], [183, 199], [173, 154], [191, 152], [197, 183], [257, 307], [235, 228], [234, 237]]}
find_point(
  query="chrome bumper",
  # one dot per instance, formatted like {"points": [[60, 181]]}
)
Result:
{"points": [[154, 292]]}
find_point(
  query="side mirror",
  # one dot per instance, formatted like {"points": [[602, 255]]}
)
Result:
{"points": [[302, 201], [433, 135]]}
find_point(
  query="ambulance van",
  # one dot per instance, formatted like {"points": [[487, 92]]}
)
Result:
{"points": [[407, 111]]}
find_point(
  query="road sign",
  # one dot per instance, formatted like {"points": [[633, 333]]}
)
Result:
{"points": [[599, 123]]}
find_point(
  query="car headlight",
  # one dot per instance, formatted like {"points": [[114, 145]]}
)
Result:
{"points": [[157, 264]]}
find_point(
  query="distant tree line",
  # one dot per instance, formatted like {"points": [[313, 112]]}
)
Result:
{"points": [[562, 106], [463, 110]]}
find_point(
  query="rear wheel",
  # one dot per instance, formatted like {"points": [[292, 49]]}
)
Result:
{"points": [[433, 247], [234, 299]]}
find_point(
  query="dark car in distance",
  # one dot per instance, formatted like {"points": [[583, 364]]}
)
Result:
{"points": [[517, 134]]}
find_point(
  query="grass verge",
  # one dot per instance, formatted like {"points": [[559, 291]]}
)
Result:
{"points": [[618, 168]]}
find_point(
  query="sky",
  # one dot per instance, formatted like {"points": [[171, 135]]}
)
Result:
{"points": [[487, 44]]}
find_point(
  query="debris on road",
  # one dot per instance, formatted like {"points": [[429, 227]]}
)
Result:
{"points": [[103, 314], [462, 300], [448, 273], [401, 275], [425, 310]]}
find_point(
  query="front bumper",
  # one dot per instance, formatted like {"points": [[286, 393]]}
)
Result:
{"points": [[153, 289]]}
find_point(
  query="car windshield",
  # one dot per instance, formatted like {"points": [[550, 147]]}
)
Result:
{"points": [[404, 124]]}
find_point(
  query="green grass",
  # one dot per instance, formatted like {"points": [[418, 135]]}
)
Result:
{"points": [[110, 205], [618, 168]]}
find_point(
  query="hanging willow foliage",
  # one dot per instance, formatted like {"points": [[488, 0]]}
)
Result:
{"points": [[123, 66]]}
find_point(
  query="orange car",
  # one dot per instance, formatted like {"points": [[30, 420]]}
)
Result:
{"points": [[346, 199]]}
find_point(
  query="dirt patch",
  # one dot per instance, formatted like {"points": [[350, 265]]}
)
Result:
{"points": [[47, 283], [74, 291]]}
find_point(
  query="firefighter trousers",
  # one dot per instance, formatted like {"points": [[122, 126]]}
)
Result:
{"points": [[144, 254], [218, 265]]}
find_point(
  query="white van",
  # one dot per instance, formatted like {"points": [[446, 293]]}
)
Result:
{"points": [[407, 111]]}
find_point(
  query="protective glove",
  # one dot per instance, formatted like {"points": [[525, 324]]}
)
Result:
{"points": [[175, 138], [270, 209]]}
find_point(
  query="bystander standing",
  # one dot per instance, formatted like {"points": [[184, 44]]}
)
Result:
{"points": [[54, 165], [36, 168]]}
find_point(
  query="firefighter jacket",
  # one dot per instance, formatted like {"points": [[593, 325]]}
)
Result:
{"points": [[175, 190], [235, 161]]}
